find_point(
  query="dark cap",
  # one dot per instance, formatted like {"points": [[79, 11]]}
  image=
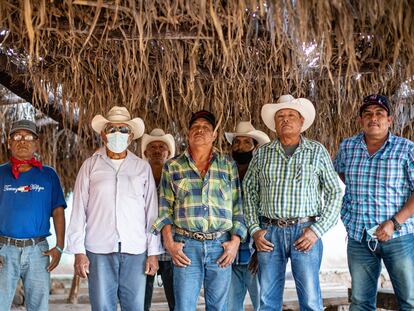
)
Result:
{"points": [[207, 115], [376, 99], [26, 125]]}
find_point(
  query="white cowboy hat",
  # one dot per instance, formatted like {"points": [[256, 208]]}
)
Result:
{"points": [[158, 135], [245, 128], [119, 115], [301, 105]]}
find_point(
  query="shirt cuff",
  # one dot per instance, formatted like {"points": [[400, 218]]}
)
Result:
{"points": [[72, 249], [253, 229], [159, 223]]}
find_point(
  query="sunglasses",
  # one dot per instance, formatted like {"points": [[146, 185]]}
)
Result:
{"points": [[123, 129], [20, 137]]}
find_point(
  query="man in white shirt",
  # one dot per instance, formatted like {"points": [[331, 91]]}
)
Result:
{"points": [[114, 206]]}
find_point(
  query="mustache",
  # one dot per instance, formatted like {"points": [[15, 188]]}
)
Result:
{"points": [[373, 123]]}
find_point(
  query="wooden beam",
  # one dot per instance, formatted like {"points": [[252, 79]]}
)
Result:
{"points": [[8, 74]]}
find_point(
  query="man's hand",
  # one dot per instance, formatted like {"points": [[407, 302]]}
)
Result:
{"points": [[385, 231], [55, 255], [81, 265], [175, 249], [151, 266], [306, 240], [230, 249], [262, 245]]}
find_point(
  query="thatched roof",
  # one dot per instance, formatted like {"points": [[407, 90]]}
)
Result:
{"points": [[165, 59]]}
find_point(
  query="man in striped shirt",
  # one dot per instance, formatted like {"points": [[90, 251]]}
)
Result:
{"points": [[200, 196], [377, 168], [292, 197]]}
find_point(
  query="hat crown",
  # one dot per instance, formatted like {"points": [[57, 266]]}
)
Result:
{"points": [[24, 125], [244, 127], [157, 132], [118, 114], [285, 99]]}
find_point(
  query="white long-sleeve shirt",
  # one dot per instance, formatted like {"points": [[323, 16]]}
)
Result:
{"points": [[112, 207]]}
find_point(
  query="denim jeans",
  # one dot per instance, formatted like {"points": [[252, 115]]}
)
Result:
{"points": [[305, 269], [116, 277], [365, 268], [29, 264], [203, 270], [166, 272], [242, 280]]}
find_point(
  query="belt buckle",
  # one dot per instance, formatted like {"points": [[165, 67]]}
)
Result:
{"points": [[199, 236], [282, 223]]}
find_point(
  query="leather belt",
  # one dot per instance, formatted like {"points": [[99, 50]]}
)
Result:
{"points": [[20, 242], [287, 222], [199, 236]]}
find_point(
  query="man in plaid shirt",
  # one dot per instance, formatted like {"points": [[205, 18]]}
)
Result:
{"points": [[377, 168], [292, 197], [200, 196]]}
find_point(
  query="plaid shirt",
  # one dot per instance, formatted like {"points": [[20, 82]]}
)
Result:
{"points": [[305, 184], [204, 205], [378, 185]]}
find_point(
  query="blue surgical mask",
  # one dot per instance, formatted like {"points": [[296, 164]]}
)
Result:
{"points": [[117, 142]]}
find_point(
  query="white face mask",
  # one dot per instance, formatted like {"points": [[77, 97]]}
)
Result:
{"points": [[117, 142], [372, 240]]}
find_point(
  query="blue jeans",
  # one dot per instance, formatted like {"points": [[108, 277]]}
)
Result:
{"points": [[203, 270], [242, 281], [28, 264], [166, 272], [365, 268], [116, 276], [305, 269]]}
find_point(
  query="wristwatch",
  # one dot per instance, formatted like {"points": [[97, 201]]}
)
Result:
{"points": [[397, 225]]}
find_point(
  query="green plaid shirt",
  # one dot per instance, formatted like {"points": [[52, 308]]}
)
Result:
{"points": [[204, 205], [305, 184]]}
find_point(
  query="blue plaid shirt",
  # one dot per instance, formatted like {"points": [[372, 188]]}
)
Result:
{"points": [[378, 185]]}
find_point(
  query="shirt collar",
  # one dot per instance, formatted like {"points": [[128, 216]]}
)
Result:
{"points": [[303, 143], [389, 142], [102, 153]]}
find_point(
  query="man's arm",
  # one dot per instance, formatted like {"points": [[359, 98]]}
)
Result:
{"points": [[58, 215]]}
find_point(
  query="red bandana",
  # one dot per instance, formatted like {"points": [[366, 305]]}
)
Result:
{"points": [[17, 163]]}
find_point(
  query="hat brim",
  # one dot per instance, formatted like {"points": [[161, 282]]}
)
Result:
{"points": [[168, 139], [137, 125], [301, 105], [259, 136], [23, 129]]}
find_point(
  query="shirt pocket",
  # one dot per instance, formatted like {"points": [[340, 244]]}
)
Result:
{"points": [[222, 195], [136, 187], [305, 175], [181, 188]]}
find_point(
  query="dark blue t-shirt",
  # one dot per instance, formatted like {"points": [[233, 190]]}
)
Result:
{"points": [[26, 203]]}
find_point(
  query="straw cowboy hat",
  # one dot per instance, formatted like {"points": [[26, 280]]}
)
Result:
{"points": [[119, 115], [301, 105], [158, 135], [245, 128]]}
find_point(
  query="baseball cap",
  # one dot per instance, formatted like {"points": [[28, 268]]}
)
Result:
{"points": [[376, 99], [207, 115], [24, 125]]}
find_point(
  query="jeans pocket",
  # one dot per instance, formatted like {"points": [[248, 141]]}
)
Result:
{"points": [[42, 246]]}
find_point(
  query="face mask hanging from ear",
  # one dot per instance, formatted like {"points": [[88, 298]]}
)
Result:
{"points": [[117, 142]]}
